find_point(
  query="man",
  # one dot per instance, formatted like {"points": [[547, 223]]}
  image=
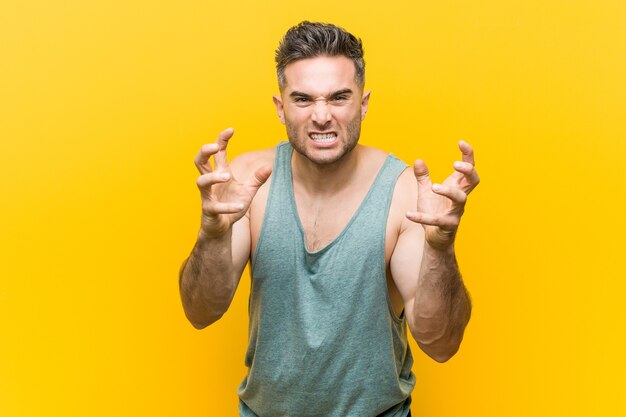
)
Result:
{"points": [[346, 247]]}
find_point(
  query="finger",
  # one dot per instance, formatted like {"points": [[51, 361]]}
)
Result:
{"points": [[422, 175], [456, 195], [467, 151], [213, 208], [469, 173], [202, 158], [260, 177], [222, 142], [205, 182], [445, 221]]}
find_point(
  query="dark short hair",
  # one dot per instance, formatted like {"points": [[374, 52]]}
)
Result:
{"points": [[313, 39]]}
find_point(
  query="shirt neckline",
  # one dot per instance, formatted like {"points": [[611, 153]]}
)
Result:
{"points": [[294, 207]]}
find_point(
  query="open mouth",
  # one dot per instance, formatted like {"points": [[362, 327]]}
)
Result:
{"points": [[323, 137]]}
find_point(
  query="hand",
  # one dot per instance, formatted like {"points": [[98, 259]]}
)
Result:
{"points": [[224, 199], [440, 206]]}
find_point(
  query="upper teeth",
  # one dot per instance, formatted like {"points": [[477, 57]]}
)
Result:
{"points": [[328, 137]]}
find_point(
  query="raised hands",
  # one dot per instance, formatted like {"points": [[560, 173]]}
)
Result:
{"points": [[440, 206], [224, 199]]}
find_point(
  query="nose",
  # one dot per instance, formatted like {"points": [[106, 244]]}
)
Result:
{"points": [[321, 113]]}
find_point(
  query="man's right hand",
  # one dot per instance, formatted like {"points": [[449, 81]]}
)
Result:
{"points": [[224, 199]]}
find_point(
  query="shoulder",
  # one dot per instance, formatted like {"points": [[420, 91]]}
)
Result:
{"points": [[406, 186], [404, 199], [372, 156], [405, 190], [243, 166], [406, 180]]}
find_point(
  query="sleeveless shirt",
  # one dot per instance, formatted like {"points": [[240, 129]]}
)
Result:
{"points": [[324, 340]]}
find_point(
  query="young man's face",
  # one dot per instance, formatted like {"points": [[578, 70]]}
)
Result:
{"points": [[322, 107]]}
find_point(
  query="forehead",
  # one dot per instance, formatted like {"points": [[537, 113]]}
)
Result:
{"points": [[320, 75]]}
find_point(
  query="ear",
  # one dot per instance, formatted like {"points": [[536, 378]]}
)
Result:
{"points": [[278, 102], [365, 101]]}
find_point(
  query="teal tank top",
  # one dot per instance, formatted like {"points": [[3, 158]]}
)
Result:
{"points": [[323, 338]]}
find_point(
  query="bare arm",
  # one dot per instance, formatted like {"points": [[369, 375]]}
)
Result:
{"points": [[442, 305], [209, 277], [211, 274], [437, 304]]}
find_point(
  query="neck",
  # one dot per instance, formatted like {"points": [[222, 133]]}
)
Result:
{"points": [[327, 178]]}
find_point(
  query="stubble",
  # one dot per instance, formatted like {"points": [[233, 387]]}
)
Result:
{"points": [[353, 132]]}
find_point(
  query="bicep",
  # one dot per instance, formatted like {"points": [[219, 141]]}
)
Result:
{"points": [[243, 168], [406, 258], [240, 244], [405, 264]]}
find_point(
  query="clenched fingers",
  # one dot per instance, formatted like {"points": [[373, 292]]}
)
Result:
{"points": [[468, 171], [214, 208], [421, 175], [217, 150], [205, 182], [453, 193], [467, 151], [260, 177], [202, 158], [443, 221], [222, 142]]}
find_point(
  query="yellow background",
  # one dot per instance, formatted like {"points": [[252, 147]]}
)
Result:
{"points": [[104, 104]]}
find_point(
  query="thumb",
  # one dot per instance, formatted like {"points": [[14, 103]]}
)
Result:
{"points": [[260, 176], [421, 174]]}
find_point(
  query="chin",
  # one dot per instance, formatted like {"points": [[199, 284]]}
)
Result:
{"points": [[303, 144], [322, 156]]}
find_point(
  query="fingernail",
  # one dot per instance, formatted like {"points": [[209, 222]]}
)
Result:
{"points": [[458, 165], [224, 175], [436, 187]]}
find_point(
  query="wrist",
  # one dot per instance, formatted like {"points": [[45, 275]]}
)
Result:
{"points": [[213, 227], [439, 248], [206, 235], [441, 240]]}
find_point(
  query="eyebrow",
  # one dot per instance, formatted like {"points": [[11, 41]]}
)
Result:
{"points": [[298, 94], [341, 92]]}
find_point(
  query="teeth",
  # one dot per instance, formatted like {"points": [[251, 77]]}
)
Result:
{"points": [[325, 138]]}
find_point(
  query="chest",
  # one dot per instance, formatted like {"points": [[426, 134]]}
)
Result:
{"points": [[324, 219], [323, 222]]}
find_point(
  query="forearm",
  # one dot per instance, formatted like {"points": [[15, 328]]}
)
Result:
{"points": [[442, 305], [208, 279]]}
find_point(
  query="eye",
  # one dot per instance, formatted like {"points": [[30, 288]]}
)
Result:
{"points": [[301, 100], [340, 98]]}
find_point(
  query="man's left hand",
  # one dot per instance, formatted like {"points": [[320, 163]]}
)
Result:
{"points": [[440, 206]]}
